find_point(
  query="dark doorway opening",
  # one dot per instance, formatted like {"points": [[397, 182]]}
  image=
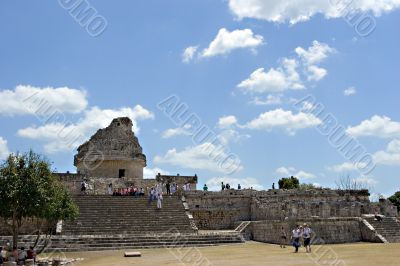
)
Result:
{"points": [[121, 173]]}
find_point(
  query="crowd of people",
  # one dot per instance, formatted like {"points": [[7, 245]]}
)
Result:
{"points": [[128, 191], [19, 256], [154, 193]]}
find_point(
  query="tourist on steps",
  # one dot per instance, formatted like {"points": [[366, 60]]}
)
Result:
{"points": [[151, 196], [159, 200], [83, 187], [168, 187], [296, 233], [205, 188]]}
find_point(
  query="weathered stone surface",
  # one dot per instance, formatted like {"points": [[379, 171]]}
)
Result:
{"points": [[330, 230], [112, 152], [222, 210]]}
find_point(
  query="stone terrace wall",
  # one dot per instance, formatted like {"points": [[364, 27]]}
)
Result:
{"points": [[222, 210], [278, 204], [97, 185], [219, 210], [331, 230]]}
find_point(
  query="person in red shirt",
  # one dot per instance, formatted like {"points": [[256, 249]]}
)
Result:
{"points": [[31, 254]]}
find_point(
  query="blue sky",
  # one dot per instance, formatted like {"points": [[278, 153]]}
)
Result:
{"points": [[238, 65]]}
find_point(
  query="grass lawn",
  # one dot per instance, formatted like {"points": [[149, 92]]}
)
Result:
{"points": [[252, 253]]}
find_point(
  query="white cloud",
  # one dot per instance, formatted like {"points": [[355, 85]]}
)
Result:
{"points": [[315, 73], [229, 135], [26, 99], [206, 156], [4, 151], [179, 131], [291, 171], [347, 166], [349, 91], [68, 136], [314, 55], [376, 126], [227, 121], [269, 100], [226, 41], [368, 181], [302, 10], [304, 175], [214, 184], [280, 118], [278, 79], [285, 171], [189, 53], [151, 173], [285, 76], [391, 156]]}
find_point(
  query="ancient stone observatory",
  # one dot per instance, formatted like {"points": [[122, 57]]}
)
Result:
{"points": [[112, 152]]}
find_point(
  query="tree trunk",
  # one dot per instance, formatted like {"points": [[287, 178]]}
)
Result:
{"points": [[15, 232]]}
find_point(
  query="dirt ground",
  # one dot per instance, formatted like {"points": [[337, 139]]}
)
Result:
{"points": [[251, 253]]}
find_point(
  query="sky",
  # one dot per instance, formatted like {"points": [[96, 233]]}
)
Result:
{"points": [[240, 91]]}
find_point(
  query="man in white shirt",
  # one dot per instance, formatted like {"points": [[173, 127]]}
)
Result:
{"points": [[307, 237], [296, 233]]}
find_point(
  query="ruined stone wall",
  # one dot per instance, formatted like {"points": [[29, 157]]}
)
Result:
{"points": [[219, 210], [330, 230], [278, 204], [97, 185], [222, 210], [111, 149], [110, 169]]}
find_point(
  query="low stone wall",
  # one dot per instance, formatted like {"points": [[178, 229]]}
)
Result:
{"points": [[330, 230], [99, 185], [219, 210]]}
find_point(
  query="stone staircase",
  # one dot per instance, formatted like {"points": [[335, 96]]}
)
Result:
{"points": [[104, 214], [389, 228], [139, 241], [110, 223]]}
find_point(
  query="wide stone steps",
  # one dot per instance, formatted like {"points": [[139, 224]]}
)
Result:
{"points": [[389, 228], [90, 243], [110, 223], [102, 214]]}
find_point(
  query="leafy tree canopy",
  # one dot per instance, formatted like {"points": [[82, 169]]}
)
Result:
{"points": [[289, 183], [29, 190]]}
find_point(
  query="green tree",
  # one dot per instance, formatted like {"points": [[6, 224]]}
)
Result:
{"points": [[395, 199], [29, 192], [288, 183]]}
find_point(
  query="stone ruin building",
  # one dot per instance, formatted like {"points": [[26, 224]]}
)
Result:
{"points": [[196, 218], [112, 152], [113, 155]]}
